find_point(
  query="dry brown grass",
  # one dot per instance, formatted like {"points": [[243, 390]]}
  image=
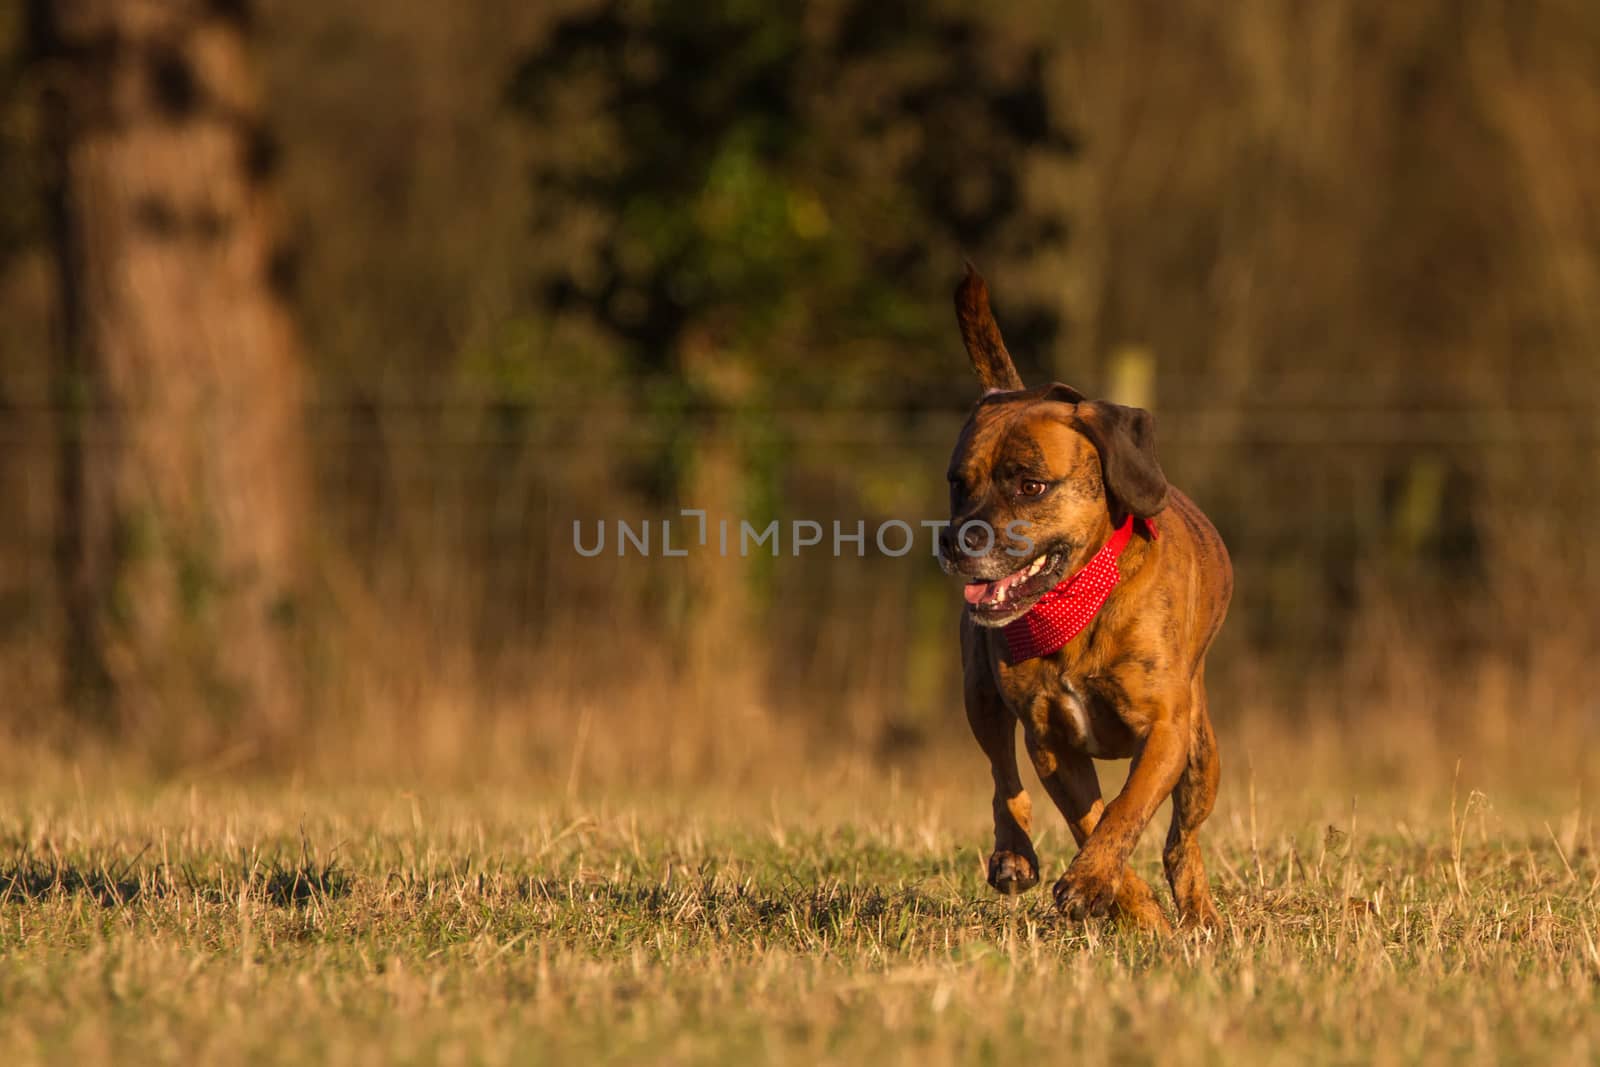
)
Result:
{"points": [[766, 905]]}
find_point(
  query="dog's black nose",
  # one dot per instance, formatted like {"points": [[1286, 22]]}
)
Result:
{"points": [[976, 538], [969, 539]]}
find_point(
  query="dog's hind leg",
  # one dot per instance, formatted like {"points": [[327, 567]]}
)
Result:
{"points": [[1013, 866], [1192, 800], [1073, 785]]}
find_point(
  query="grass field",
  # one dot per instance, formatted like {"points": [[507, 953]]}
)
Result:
{"points": [[839, 919]]}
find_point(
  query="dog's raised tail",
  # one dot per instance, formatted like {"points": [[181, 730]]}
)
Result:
{"points": [[981, 334]]}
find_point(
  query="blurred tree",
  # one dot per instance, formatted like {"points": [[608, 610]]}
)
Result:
{"points": [[182, 467], [741, 187], [767, 183]]}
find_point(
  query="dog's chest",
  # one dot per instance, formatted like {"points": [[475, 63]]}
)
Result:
{"points": [[1068, 713]]}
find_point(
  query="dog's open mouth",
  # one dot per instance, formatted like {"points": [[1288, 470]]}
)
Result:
{"points": [[1017, 590]]}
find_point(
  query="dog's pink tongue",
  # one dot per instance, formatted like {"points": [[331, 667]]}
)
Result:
{"points": [[976, 591]]}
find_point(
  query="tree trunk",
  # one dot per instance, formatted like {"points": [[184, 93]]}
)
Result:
{"points": [[183, 475]]}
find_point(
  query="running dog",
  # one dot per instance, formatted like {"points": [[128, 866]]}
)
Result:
{"points": [[1093, 590]]}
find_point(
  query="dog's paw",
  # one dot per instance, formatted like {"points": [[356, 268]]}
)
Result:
{"points": [[1012, 873], [1086, 891], [1200, 914]]}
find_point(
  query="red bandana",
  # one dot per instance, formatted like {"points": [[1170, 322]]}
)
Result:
{"points": [[1063, 612]]}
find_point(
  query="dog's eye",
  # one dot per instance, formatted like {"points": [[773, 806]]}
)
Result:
{"points": [[1029, 487]]}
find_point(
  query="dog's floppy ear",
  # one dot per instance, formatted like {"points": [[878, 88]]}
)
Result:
{"points": [[1126, 440], [984, 344], [1063, 394]]}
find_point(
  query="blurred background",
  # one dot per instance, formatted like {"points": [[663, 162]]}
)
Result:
{"points": [[324, 321]]}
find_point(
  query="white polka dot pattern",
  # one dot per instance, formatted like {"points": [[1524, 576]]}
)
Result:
{"points": [[1063, 612]]}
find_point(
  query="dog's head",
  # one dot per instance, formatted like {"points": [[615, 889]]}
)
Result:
{"points": [[1039, 477]]}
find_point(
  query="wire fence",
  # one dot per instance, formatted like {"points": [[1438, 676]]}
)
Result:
{"points": [[465, 515]]}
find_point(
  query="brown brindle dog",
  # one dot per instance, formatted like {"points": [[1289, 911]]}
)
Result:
{"points": [[1051, 476]]}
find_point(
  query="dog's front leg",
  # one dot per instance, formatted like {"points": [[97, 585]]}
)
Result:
{"points": [[1090, 885], [1013, 866], [1070, 779]]}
